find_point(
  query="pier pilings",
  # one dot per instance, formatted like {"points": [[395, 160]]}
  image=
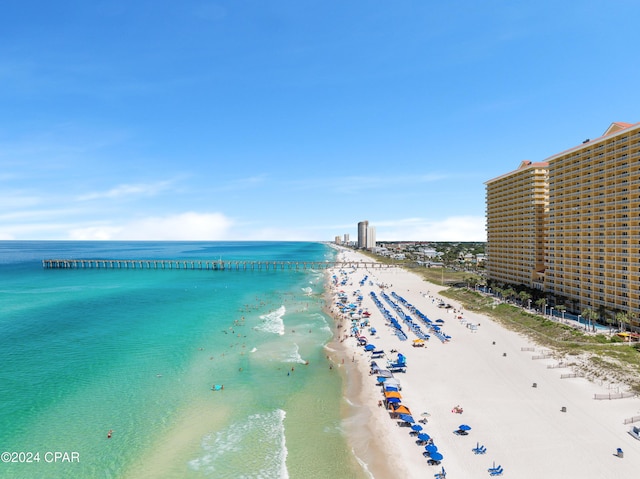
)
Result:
{"points": [[210, 265]]}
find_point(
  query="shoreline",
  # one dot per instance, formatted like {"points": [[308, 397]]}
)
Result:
{"points": [[533, 422]]}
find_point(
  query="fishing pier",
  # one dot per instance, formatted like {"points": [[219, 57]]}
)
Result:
{"points": [[211, 265]]}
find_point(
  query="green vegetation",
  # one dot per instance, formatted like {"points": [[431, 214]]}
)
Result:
{"points": [[609, 355]]}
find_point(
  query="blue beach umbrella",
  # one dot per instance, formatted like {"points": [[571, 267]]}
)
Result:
{"points": [[431, 448], [416, 427], [369, 347], [393, 400], [464, 427], [436, 456], [407, 418], [424, 437]]}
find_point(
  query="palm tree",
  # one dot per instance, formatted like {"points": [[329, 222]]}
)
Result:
{"points": [[590, 314], [524, 297], [509, 293], [542, 304], [623, 319]]}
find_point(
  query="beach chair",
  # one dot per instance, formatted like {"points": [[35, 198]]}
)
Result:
{"points": [[440, 475], [496, 472], [479, 449]]}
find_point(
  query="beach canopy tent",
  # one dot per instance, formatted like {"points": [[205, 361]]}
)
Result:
{"points": [[393, 400], [393, 382], [392, 394], [390, 389], [402, 410], [384, 373]]}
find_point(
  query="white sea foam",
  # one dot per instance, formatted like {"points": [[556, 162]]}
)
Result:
{"points": [[348, 401], [225, 451], [364, 465], [253, 350], [294, 356], [273, 322], [307, 291]]}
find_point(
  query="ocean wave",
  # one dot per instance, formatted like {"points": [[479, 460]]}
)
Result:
{"points": [[252, 448], [294, 356], [273, 322]]}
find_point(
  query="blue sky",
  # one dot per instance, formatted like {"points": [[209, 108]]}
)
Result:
{"points": [[293, 119]]}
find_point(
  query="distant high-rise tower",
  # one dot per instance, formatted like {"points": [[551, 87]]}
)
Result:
{"points": [[346, 238], [363, 228], [371, 237]]}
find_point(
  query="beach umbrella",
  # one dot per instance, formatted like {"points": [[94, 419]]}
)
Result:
{"points": [[369, 347], [407, 418], [424, 437], [431, 448], [464, 427], [416, 427], [439, 320], [436, 456], [391, 389], [393, 400]]}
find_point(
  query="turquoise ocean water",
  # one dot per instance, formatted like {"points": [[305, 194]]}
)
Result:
{"points": [[86, 351]]}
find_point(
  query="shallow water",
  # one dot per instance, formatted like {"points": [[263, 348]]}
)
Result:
{"points": [[137, 352]]}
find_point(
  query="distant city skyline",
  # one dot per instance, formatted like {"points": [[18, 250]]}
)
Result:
{"points": [[289, 120]]}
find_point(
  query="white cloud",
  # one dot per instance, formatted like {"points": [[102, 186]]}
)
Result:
{"points": [[454, 228], [189, 226], [125, 190]]}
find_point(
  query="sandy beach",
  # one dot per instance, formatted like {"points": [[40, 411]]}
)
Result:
{"points": [[532, 422]]}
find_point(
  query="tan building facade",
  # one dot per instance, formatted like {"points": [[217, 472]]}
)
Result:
{"points": [[594, 223], [588, 228], [516, 218]]}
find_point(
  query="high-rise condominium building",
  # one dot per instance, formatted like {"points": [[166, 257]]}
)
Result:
{"points": [[516, 215], [590, 230], [363, 228], [371, 237]]}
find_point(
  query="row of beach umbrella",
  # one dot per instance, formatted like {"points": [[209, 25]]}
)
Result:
{"points": [[433, 325]]}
